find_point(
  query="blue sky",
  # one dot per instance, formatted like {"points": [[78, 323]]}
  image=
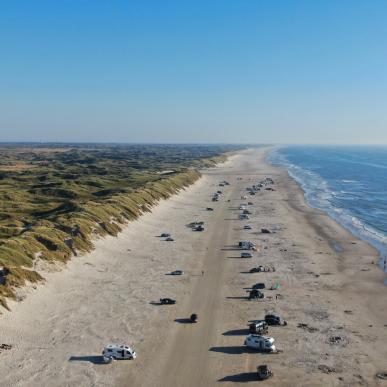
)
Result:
{"points": [[246, 71]]}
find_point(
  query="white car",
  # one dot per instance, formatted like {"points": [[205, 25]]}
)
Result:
{"points": [[260, 343], [115, 351]]}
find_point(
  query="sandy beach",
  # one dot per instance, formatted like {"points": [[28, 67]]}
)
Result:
{"points": [[331, 293]]}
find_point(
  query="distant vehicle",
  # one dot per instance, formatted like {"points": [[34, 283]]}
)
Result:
{"points": [[114, 351], [247, 212], [259, 327], [247, 227], [243, 216], [177, 272], [219, 192], [165, 235], [273, 319], [257, 269], [255, 294], [199, 228], [259, 285], [246, 255], [209, 209], [167, 301], [260, 343], [250, 203], [264, 372], [169, 239], [246, 245], [221, 185], [193, 318], [242, 207], [265, 231]]}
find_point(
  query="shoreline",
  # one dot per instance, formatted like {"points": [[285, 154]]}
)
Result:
{"points": [[105, 296], [355, 232]]}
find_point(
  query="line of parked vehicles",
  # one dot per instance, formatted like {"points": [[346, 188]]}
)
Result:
{"points": [[258, 339]]}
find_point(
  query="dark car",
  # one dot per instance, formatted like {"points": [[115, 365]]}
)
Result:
{"points": [[169, 239], [272, 319], [259, 285], [177, 272], [255, 294], [209, 209], [259, 327], [257, 269], [199, 228], [194, 317], [167, 301]]}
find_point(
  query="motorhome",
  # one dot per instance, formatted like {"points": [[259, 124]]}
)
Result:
{"points": [[260, 343]]}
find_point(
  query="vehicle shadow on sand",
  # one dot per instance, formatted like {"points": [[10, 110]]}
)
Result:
{"points": [[236, 350], [244, 377], [91, 359], [183, 320], [245, 298], [236, 332]]}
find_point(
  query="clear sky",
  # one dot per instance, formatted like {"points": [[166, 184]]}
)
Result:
{"points": [[245, 71]]}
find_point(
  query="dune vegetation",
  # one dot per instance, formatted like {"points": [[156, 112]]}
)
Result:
{"points": [[55, 200]]}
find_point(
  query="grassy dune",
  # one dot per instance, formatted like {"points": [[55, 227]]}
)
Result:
{"points": [[55, 200]]}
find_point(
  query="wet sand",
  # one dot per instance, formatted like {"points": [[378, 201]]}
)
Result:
{"points": [[59, 330]]}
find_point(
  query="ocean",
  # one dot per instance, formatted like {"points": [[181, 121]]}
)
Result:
{"points": [[348, 183]]}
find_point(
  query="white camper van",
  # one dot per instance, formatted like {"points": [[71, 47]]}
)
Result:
{"points": [[260, 343], [114, 351]]}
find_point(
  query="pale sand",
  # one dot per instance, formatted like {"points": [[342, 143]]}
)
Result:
{"points": [[105, 297]]}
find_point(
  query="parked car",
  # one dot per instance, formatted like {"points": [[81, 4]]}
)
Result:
{"points": [[264, 372], [169, 239], [258, 327], [257, 269], [167, 301], [114, 351], [209, 209], [255, 294], [273, 319], [165, 235], [199, 228], [246, 255], [259, 285], [177, 272], [247, 227]]}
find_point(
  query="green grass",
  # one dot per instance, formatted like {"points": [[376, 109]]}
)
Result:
{"points": [[55, 200]]}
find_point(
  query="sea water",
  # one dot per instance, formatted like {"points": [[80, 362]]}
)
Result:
{"points": [[348, 183]]}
